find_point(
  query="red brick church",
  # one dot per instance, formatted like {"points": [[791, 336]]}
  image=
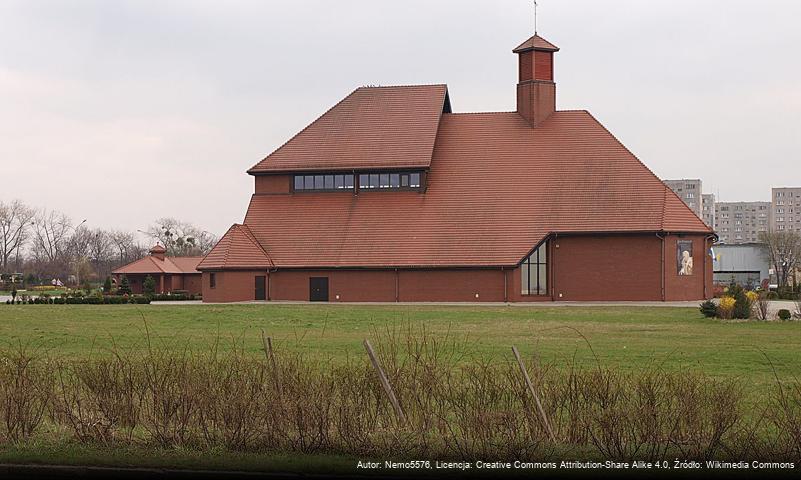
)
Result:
{"points": [[391, 196]]}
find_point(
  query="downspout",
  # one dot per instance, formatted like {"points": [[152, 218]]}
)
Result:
{"points": [[662, 266], [270, 283], [505, 286], [552, 269], [397, 286]]}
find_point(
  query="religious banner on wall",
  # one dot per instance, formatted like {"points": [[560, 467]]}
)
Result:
{"points": [[684, 256]]}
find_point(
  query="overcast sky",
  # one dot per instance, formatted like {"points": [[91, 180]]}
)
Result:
{"points": [[124, 111]]}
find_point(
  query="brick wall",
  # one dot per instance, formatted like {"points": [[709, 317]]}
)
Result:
{"points": [[582, 268], [266, 184]]}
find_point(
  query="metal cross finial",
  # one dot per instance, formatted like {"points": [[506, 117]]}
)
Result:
{"points": [[535, 17]]}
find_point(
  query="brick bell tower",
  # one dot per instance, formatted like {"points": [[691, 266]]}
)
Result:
{"points": [[536, 90]]}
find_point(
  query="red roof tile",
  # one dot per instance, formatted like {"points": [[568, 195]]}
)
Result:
{"points": [[536, 43], [238, 248], [153, 265], [373, 127], [496, 188]]}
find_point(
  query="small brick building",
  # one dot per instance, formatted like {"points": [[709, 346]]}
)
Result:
{"points": [[390, 196], [170, 273]]}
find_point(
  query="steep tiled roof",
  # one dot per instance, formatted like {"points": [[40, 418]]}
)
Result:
{"points": [[496, 188], [536, 43], [151, 264], [373, 127], [238, 248]]}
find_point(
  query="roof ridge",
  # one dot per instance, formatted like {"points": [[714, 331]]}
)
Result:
{"points": [[256, 243], [228, 244], [499, 112], [405, 85], [153, 262]]}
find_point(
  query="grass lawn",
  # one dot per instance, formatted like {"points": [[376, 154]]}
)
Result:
{"points": [[629, 337]]}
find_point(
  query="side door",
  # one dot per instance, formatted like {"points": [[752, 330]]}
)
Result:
{"points": [[318, 289]]}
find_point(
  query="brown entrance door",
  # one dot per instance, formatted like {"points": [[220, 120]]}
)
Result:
{"points": [[261, 290], [318, 289]]}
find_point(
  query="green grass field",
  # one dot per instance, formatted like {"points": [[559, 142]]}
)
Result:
{"points": [[628, 337]]}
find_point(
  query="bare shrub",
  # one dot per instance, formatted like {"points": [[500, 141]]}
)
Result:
{"points": [[98, 399], [761, 306], [170, 387], [231, 396], [25, 390], [456, 406], [785, 416], [708, 411]]}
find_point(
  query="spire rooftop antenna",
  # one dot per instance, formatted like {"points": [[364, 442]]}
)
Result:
{"points": [[535, 17]]}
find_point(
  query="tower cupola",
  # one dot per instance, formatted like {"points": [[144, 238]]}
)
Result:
{"points": [[536, 89]]}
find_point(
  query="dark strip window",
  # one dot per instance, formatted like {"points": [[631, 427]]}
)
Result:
{"points": [[534, 270], [212, 280], [330, 182], [367, 181]]}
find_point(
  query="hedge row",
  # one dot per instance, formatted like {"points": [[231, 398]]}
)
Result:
{"points": [[162, 297], [105, 300]]}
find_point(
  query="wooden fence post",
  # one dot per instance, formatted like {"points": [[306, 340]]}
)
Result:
{"points": [[268, 351], [384, 381], [533, 392]]}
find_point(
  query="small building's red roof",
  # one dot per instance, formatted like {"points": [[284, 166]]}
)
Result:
{"points": [[238, 248], [373, 127], [156, 266], [496, 188], [536, 43]]}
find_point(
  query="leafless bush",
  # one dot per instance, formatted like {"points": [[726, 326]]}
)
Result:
{"points": [[785, 416], [761, 306], [455, 406], [170, 397], [25, 389], [98, 399]]}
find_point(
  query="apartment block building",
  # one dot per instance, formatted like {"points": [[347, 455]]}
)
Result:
{"points": [[785, 209], [741, 222], [689, 190], [708, 209]]}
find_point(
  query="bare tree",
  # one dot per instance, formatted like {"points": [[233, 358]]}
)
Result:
{"points": [[125, 246], [15, 224], [78, 245], [783, 252], [101, 251], [182, 238], [51, 233]]}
